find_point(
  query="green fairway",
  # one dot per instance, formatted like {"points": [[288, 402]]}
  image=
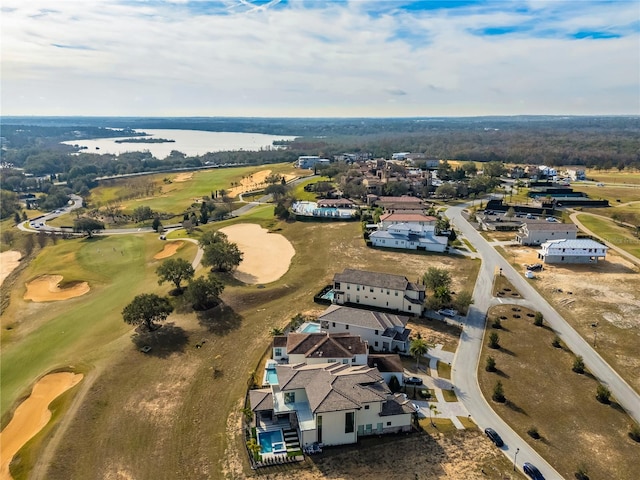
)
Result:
{"points": [[608, 230], [44, 336]]}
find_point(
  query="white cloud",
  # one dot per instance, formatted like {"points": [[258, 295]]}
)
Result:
{"points": [[104, 57]]}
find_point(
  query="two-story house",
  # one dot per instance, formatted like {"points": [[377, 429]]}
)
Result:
{"points": [[537, 233], [572, 251], [324, 347]]}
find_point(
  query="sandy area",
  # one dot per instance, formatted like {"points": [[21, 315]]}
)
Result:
{"points": [[183, 177], [254, 182], [46, 289], [169, 250], [9, 261], [32, 415], [266, 256]]}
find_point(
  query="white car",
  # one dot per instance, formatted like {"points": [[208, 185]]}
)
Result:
{"points": [[448, 312]]}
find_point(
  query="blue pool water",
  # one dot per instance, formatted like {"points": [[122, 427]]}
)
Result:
{"points": [[311, 328], [272, 376], [272, 442], [329, 295]]}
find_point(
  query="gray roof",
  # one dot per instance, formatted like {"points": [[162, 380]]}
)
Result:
{"points": [[551, 227], [363, 318], [396, 405], [261, 399], [373, 279], [575, 243], [385, 362], [327, 345], [333, 387]]}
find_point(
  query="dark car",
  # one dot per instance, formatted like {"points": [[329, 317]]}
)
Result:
{"points": [[535, 267], [494, 437], [532, 471], [413, 380]]}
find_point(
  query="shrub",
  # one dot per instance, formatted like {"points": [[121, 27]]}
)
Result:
{"points": [[498, 393], [494, 340], [581, 472], [634, 432], [497, 324], [491, 364], [603, 394], [533, 433], [578, 364], [556, 342], [538, 319]]}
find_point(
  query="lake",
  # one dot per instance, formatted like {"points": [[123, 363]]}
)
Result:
{"points": [[189, 142]]}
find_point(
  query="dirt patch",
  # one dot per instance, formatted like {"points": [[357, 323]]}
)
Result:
{"points": [[32, 415], [9, 261], [169, 250], [46, 289], [183, 177], [266, 256], [255, 181]]}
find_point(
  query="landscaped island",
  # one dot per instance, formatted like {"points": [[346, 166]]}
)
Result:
{"points": [[145, 140]]}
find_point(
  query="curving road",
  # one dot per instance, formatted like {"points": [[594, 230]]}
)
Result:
{"points": [[468, 354]]}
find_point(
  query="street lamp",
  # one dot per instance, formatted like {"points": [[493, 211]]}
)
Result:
{"points": [[595, 333], [514, 459]]}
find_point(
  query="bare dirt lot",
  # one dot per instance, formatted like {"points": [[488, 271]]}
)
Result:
{"points": [[605, 294]]}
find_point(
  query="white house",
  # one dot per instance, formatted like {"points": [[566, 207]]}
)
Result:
{"points": [[409, 236], [310, 161], [572, 251], [576, 173], [324, 347], [389, 219], [384, 332], [330, 403], [382, 290], [537, 233]]}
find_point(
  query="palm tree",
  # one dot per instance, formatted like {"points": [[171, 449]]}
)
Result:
{"points": [[418, 348], [254, 447]]}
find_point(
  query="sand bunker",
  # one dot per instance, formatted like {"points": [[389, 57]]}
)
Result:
{"points": [[32, 415], [46, 289], [183, 177], [168, 250], [254, 181], [9, 261], [266, 256]]}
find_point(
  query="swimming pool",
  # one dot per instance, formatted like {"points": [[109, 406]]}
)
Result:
{"points": [[272, 441], [329, 295], [310, 328], [272, 376]]}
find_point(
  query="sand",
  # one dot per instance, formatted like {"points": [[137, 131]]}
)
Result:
{"points": [[266, 256], [32, 415], [254, 181], [168, 250], [183, 177], [9, 261], [46, 289]]}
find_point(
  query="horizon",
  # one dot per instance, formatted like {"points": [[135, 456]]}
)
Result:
{"points": [[311, 59]]}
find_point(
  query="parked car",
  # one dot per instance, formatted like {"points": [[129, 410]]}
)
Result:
{"points": [[494, 437], [532, 471], [535, 267], [413, 380], [448, 312]]}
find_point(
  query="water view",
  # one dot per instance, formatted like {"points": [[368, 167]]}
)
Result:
{"points": [[189, 142]]}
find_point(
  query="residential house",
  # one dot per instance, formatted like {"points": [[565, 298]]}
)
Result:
{"points": [[389, 365], [310, 161], [330, 403], [389, 219], [375, 289], [384, 332], [324, 347], [409, 236], [536, 233], [404, 203], [572, 251], [576, 173]]}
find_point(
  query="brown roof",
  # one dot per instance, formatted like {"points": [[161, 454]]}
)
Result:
{"points": [[385, 362], [363, 318], [376, 279], [407, 217], [280, 341], [403, 199], [325, 345]]}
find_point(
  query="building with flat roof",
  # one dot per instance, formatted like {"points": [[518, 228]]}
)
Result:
{"points": [[572, 251]]}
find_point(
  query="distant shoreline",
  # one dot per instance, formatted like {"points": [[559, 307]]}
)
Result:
{"points": [[145, 140]]}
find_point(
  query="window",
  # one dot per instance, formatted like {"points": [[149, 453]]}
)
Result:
{"points": [[387, 292], [396, 294], [366, 407], [376, 332], [289, 397], [371, 290], [278, 352], [348, 287], [358, 287], [334, 324], [345, 360], [376, 344], [388, 424], [346, 327], [337, 285], [409, 308], [349, 418], [353, 360]]}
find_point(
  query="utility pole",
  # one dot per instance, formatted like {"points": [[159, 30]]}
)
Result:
{"points": [[514, 459]]}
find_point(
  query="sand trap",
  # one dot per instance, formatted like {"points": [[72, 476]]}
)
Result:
{"points": [[9, 261], [183, 177], [32, 415], [46, 289], [168, 250], [267, 256]]}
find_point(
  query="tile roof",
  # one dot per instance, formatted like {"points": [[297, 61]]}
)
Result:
{"points": [[407, 217], [363, 318], [551, 226], [372, 279], [280, 341], [385, 362], [327, 345], [261, 399]]}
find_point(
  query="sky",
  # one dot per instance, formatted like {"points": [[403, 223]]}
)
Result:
{"points": [[319, 58]]}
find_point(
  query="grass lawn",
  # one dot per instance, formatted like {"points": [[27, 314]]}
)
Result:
{"points": [[449, 396], [562, 406], [612, 193], [444, 370], [299, 192], [611, 232], [614, 176], [159, 406]]}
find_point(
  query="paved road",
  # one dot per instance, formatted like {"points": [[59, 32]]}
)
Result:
{"points": [[467, 357]]}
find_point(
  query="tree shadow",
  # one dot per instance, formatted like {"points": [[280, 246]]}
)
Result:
{"points": [[507, 351], [164, 341], [515, 408], [219, 320], [501, 373], [617, 407]]}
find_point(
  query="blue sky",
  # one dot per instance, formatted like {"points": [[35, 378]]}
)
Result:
{"points": [[320, 58]]}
